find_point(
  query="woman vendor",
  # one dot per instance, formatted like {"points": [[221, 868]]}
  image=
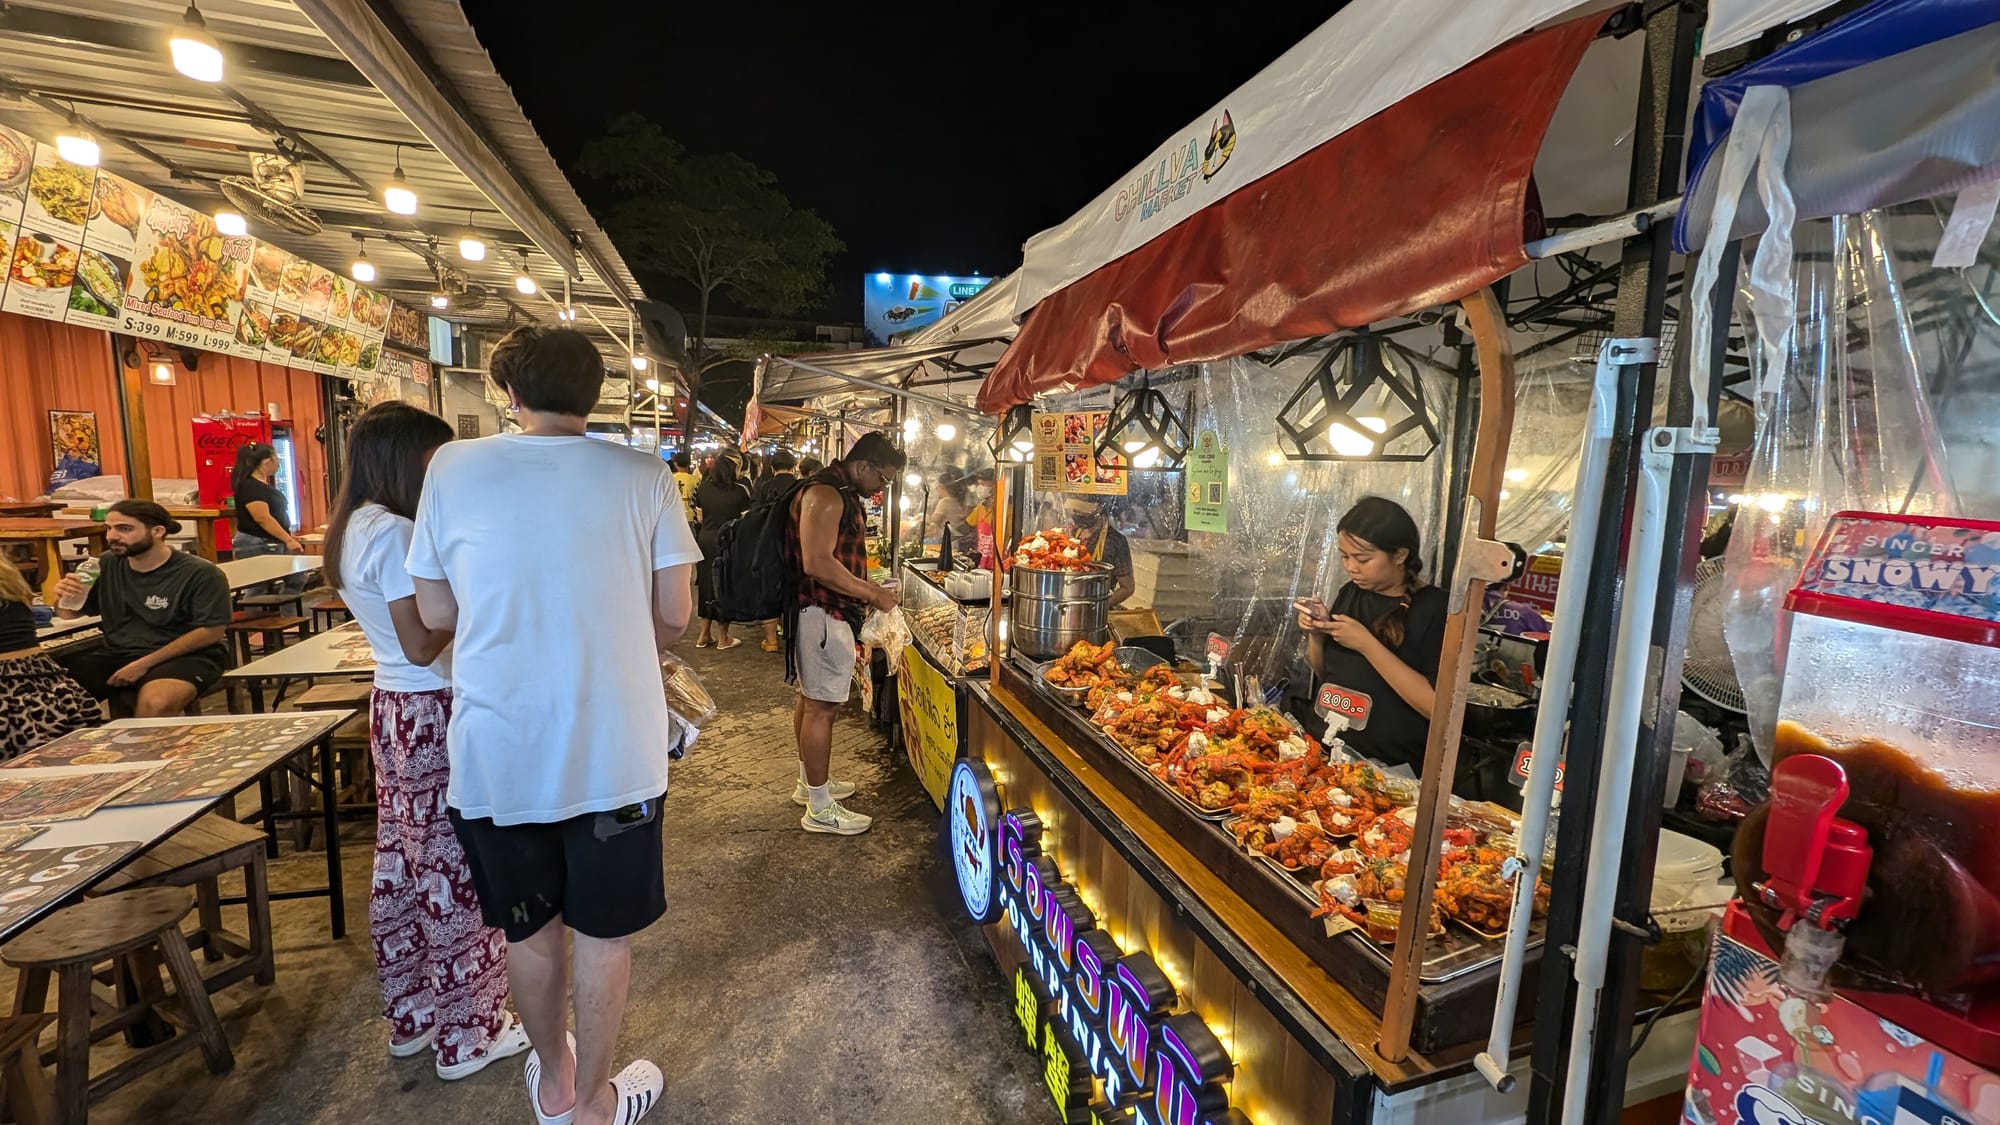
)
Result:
{"points": [[1378, 643]]}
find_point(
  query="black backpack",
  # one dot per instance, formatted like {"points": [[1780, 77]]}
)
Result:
{"points": [[752, 580]]}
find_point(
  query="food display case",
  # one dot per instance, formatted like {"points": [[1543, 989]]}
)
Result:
{"points": [[949, 615]]}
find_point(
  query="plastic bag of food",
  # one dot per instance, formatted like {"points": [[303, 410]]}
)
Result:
{"points": [[687, 697], [889, 631], [1740, 785]]}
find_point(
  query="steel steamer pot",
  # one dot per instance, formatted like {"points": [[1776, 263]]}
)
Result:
{"points": [[1054, 609]]}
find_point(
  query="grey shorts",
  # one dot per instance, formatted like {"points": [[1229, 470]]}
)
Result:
{"points": [[825, 656]]}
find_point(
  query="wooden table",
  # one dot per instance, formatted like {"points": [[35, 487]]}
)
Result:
{"points": [[245, 573], [30, 509], [203, 519], [340, 651], [46, 534], [128, 830]]}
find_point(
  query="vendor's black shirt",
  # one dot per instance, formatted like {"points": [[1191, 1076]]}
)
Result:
{"points": [[1396, 732], [144, 612], [253, 490], [1107, 545]]}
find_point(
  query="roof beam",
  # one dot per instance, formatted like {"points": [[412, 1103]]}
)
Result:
{"points": [[141, 38]]}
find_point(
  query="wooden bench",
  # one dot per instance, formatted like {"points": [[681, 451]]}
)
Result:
{"points": [[198, 856], [24, 1087], [323, 611], [272, 628], [140, 931]]}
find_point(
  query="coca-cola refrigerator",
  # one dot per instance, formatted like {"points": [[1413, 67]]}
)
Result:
{"points": [[216, 439]]}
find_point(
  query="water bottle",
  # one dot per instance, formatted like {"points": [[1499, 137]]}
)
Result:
{"points": [[86, 574]]}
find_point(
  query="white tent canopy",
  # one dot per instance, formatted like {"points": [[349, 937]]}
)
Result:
{"points": [[947, 360]]}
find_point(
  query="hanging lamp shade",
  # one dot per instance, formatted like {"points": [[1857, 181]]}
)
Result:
{"points": [[1144, 433], [1363, 400]]}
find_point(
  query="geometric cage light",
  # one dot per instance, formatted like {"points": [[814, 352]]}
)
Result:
{"points": [[1144, 433], [1014, 439], [1363, 400]]}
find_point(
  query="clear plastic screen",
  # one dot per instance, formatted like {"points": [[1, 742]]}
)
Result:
{"points": [[1890, 364]]}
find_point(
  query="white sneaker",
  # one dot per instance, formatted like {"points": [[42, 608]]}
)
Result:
{"points": [[415, 1046], [512, 1040], [838, 790], [835, 820]]}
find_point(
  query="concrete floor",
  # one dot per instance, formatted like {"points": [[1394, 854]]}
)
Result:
{"points": [[795, 978]]}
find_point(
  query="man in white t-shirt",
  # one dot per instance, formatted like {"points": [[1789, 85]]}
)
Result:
{"points": [[561, 565]]}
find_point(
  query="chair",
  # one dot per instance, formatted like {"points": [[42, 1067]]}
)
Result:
{"points": [[198, 856], [24, 1087], [353, 751], [272, 628], [139, 930], [323, 613]]}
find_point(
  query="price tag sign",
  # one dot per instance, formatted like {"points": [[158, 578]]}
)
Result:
{"points": [[1523, 761], [1355, 706], [1218, 647]]}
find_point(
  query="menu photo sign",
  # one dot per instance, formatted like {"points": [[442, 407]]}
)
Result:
{"points": [[1066, 458], [88, 247]]}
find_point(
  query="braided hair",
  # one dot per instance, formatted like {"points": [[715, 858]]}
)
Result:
{"points": [[1385, 526]]}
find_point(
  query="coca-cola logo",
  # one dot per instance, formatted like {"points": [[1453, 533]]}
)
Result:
{"points": [[219, 443]]}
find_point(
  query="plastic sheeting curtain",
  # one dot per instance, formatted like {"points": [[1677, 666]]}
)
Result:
{"points": [[1845, 421]]}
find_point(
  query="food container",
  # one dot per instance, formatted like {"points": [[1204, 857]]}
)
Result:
{"points": [[1686, 878], [1384, 919], [1054, 609], [1074, 696]]}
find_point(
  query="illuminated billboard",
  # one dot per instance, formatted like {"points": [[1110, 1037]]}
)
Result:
{"points": [[895, 303]]}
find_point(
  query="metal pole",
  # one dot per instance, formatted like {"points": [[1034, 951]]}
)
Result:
{"points": [[1657, 147]]}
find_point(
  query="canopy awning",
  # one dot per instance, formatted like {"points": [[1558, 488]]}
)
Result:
{"points": [[960, 348], [1417, 205]]}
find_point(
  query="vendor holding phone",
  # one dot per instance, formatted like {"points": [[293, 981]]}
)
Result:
{"points": [[1375, 650]]}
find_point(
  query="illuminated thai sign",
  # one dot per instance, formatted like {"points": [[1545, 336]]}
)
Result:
{"points": [[1105, 1022]]}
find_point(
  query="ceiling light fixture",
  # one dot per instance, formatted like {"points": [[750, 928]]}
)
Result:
{"points": [[946, 431], [653, 385], [195, 52], [523, 284], [229, 224], [164, 375], [76, 145], [362, 269], [397, 194], [471, 247], [639, 362], [1361, 401], [1144, 432], [440, 301], [1014, 439]]}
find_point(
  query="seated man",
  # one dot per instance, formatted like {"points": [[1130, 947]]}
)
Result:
{"points": [[164, 612]]}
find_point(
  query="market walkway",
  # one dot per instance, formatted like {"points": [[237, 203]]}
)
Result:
{"points": [[796, 979]]}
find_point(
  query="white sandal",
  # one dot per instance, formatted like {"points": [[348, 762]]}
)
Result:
{"points": [[638, 1088], [533, 1070]]}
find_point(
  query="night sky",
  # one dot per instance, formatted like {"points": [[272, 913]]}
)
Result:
{"points": [[935, 139]]}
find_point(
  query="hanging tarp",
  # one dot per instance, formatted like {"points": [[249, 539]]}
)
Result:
{"points": [[1368, 56], [1418, 205], [1853, 147], [970, 337]]}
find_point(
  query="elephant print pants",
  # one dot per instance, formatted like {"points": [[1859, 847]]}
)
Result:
{"points": [[440, 965]]}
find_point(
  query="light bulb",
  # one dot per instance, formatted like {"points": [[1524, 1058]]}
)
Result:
{"points": [[911, 426], [1274, 458], [639, 362], [653, 385], [471, 249], [77, 146], [163, 373], [913, 479], [946, 431], [440, 301], [903, 502], [1023, 444], [397, 195], [362, 269], [229, 224], [524, 285], [1147, 458], [195, 52], [1516, 476], [1373, 423], [1349, 443]]}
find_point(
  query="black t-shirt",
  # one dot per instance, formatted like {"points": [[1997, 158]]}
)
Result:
{"points": [[17, 626], [774, 487], [1396, 732], [718, 503], [1107, 545], [253, 490], [144, 612]]}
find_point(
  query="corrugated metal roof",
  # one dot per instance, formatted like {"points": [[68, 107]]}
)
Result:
{"points": [[108, 60]]}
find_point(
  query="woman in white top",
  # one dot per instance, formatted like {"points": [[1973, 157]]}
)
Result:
{"points": [[443, 972]]}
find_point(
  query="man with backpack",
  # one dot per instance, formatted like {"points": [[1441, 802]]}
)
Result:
{"points": [[777, 486], [826, 548]]}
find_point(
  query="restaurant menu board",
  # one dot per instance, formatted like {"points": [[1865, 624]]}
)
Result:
{"points": [[1065, 458], [89, 247], [33, 878], [409, 329]]}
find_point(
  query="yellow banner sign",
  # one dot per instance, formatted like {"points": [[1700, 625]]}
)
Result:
{"points": [[930, 722]]}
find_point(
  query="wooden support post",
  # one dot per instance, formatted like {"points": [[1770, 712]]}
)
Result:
{"points": [[131, 383]]}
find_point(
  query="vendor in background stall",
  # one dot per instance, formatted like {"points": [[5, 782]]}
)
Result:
{"points": [[1088, 522], [951, 503], [1382, 636]]}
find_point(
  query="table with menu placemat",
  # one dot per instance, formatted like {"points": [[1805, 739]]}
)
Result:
{"points": [[129, 784]]}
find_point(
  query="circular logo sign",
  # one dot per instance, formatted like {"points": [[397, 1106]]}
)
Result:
{"points": [[972, 812]]}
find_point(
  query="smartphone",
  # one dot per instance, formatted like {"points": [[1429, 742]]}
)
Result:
{"points": [[625, 819]]}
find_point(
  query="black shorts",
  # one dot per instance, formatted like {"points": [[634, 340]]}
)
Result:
{"points": [[93, 668], [602, 873]]}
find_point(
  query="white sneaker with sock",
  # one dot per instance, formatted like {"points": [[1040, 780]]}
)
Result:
{"points": [[832, 818], [802, 793]]}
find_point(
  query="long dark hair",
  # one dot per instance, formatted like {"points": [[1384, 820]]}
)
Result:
{"points": [[724, 472], [385, 465], [249, 455], [1385, 526]]}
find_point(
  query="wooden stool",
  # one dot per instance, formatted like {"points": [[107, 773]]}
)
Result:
{"points": [[24, 1088], [198, 856], [323, 611], [272, 628], [141, 929]]}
